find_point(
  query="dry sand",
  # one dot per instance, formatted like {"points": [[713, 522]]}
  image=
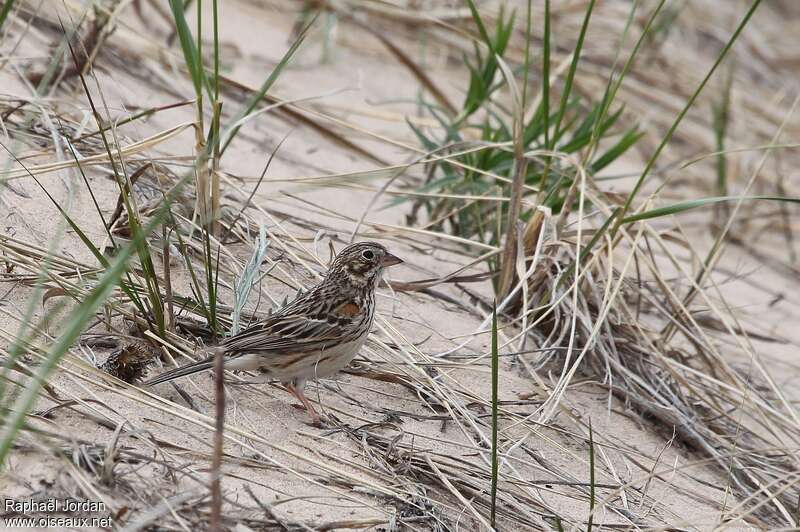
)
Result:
{"points": [[406, 478]]}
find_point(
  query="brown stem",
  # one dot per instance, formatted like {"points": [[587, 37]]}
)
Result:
{"points": [[510, 250], [216, 461], [167, 279]]}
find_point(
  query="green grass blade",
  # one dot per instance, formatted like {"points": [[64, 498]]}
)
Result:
{"points": [[693, 204], [125, 188], [481, 27], [576, 55], [679, 118], [495, 372], [7, 5], [129, 289], [628, 139], [482, 75], [216, 50], [191, 55], [18, 345], [613, 86], [591, 479], [132, 118], [78, 231], [194, 282], [245, 283], [80, 317], [258, 95], [546, 74], [720, 120]]}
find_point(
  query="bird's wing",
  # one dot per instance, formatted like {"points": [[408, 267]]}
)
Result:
{"points": [[295, 333], [299, 327]]}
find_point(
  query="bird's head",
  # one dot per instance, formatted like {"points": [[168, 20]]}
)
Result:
{"points": [[362, 263]]}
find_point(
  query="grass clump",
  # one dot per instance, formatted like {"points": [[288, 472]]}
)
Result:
{"points": [[486, 138]]}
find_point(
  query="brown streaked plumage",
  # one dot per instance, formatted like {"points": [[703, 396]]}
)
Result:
{"points": [[315, 335]]}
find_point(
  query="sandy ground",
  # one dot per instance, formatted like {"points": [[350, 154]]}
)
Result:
{"points": [[336, 478]]}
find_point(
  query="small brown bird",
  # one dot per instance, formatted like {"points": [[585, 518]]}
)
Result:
{"points": [[315, 335]]}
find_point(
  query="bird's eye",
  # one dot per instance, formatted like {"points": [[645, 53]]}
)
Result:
{"points": [[367, 254]]}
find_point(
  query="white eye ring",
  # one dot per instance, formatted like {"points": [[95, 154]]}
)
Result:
{"points": [[367, 254]]}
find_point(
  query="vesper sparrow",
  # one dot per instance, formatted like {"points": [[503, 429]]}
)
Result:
{"points": [[315, 335]]}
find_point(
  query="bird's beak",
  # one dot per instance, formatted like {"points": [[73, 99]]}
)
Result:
{"points": [[390, 260]]}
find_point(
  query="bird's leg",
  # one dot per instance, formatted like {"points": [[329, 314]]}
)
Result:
{"points": [[298, 393]]}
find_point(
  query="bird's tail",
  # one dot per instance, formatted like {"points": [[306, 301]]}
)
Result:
{"points": [[183, 371]]}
